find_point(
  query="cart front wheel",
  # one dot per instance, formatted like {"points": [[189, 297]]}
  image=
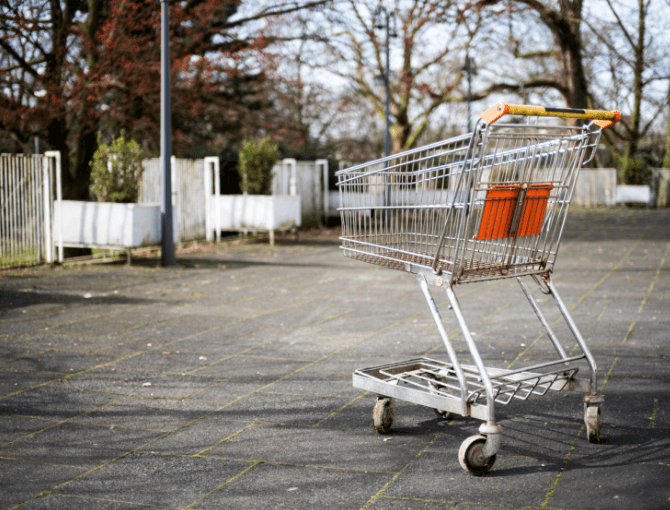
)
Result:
{"points": [[382, 415], [470, 457], [593, 418]]}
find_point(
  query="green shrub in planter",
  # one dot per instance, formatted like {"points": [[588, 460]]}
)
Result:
{"points": [[116, 171], [256, 161]]}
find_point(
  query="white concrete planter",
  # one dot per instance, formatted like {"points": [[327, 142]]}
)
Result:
{"points": [[640, 194], [109, 225], [253, 213]]}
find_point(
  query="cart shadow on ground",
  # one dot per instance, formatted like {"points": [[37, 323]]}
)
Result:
{"points": [[555, 441], [11, 299]]}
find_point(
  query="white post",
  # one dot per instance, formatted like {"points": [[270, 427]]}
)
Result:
{"points": [[217, 195], [209, 228], [324, 169], [59, 199], [48, 246], [216, 226], [176, 173], [293, 179]]}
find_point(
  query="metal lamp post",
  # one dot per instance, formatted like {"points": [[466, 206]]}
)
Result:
{"points": [[470, 70], [382, 20], [167, 241], [39, 93]]}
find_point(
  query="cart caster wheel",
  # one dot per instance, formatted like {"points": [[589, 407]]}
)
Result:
{"points": [[382, 415], [444, 415], [593, 418], [470, 458], [441, 414]]}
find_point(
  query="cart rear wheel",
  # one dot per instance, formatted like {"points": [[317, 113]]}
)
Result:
{"points": [[469, 455], [433, 389], [593, 418], [444, 415], [382, 415]]}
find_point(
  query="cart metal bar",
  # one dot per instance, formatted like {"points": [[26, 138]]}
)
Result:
{"points": [[478, 138], [445, 338], [540, 315], [490, 398], [578, 336], [500, 371], [603, 119], [425, 148]]}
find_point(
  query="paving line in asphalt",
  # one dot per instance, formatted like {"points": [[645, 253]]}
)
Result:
{"points": [[613, 269], [241, 473], [202, 453], [653, 414], [178, 340], [396, 475], [630, 330], [568, 457], [549, 494], [586, 294], [655, 278], [65, 376], [164, 290], [359, 397], [61, 422], [142, 447]]}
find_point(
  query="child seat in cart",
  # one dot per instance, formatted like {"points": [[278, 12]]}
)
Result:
{"points": [[486, 205]]}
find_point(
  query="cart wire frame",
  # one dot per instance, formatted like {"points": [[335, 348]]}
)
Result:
{"points": [[486, 205]]}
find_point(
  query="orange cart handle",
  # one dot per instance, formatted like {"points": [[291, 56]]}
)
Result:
{"points": [[601, 118]]}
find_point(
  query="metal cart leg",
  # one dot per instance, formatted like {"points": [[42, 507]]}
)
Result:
{"points": [[478, 453], [540, 315], [578, 336], [593, 403], [445, 339]]}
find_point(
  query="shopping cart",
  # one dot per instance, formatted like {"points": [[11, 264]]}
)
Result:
{"points": [[486, 205]]}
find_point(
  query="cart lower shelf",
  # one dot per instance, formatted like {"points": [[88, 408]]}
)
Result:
{"points": [[434, 383]]}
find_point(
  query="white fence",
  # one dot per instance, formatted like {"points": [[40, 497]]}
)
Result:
{"points": [[188, 193], [191, 190], [595, 188], [27, 188], [310, 179], [248, 212]]}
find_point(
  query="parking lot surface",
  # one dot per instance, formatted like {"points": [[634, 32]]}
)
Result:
{"points": [[225, 381]]}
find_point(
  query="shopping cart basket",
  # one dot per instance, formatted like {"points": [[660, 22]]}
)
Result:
{"points": [[486, 205]]}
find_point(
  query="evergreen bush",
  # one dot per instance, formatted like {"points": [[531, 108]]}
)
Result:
{"points": [[257, 157], [116, 171]]}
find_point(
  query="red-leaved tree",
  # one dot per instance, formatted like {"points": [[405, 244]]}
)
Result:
{"points": [[74, 68]]}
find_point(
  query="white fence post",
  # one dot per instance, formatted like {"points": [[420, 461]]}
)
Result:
{"points": [[323, 163], [59, 199], [293, 179], [46, 181], [214, 226]]}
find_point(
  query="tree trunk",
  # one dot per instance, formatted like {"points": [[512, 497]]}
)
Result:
{"points": [[631, 168], [666, 158]]}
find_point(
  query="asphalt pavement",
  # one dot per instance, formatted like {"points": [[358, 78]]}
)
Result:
{"points": [[225, 381]]}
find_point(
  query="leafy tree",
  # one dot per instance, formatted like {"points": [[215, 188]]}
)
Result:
{"points": [[72, 68], [256, 161], [631, 59], [117, 170], [427, 40], [560, 64]]}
